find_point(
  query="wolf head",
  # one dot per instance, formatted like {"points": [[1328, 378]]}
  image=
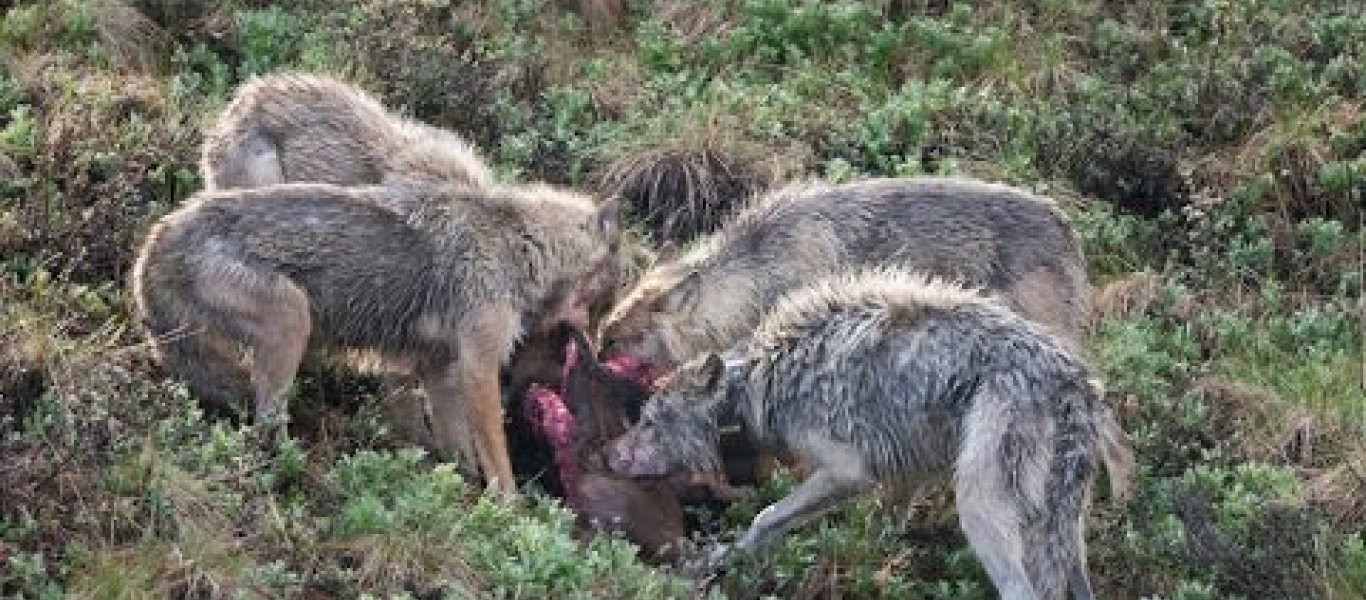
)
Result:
{"points": [[679, 426], [581, 259], [649, 325], [685, 306]]}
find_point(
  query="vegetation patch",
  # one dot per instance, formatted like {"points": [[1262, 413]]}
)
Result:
{"points": [[1211, 155]]}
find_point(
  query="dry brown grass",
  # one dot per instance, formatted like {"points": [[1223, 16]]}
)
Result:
{"points": [[692, 21], [678, 194], [1341, 492], [1294, 149], [1127, 297], [682, 187]]}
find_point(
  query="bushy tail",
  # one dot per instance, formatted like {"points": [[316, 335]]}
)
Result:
{"points": [[217, 380], [1022, 483], [1060, 544]]}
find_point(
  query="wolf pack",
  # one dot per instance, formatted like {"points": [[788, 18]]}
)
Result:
{"points": [[888, 334]]}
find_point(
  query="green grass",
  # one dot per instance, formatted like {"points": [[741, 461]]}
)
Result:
{"points": [[1219, 145]]}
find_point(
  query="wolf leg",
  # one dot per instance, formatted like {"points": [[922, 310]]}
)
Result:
{"points": [[830, 484], [280, 330], [484, 403], [450, 421], [485, 341]]}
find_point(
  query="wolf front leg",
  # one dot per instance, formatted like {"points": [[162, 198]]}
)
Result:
{"points": [[825, 488], [466, 399], [484, 405], [450, 422]]}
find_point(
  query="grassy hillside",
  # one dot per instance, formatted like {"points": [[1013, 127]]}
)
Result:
{"points": [[1212, 153]]}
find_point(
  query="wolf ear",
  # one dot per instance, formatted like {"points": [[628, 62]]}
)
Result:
{"points": [[608, 219], [682, 294], [715, 371]]}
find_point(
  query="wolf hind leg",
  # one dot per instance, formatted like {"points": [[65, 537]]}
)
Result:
{"points": [[269, 315], [281, 329]]}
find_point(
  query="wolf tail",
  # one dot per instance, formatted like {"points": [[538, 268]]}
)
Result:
{"points": [[1085, 428]]}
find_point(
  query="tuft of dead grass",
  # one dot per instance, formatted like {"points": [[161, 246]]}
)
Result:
{"points": [[1127, 297], [601, 15], [683, 190], [426, 564], [678, 194], [693, 21], [1341, 492]]}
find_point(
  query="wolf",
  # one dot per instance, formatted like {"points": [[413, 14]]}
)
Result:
{"points": [[986, 235], [1003, 240], [886, 377], [235, 286], [307, 128]]}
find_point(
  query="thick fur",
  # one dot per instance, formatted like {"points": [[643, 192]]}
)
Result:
{"points": [[1005, 241], [235, 286], [887, 378], [990, 236], [295, 127]]}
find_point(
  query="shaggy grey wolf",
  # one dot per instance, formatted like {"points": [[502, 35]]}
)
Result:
{"points": [[1014, 244], [235, 286], [886, 378]]}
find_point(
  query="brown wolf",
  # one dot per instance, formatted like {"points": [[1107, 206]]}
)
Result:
{"points": [[444, 291], [295, 127], [886, 378], [302, 128]]}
